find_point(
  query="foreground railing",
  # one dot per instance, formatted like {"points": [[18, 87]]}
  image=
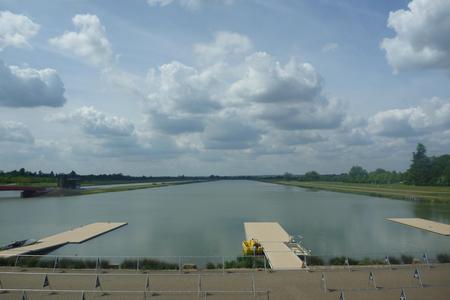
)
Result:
{"points": [[221, 263]]}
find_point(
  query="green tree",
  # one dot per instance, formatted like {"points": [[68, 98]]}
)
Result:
{"points": [[311, 176], [358, 174], [419, 173]]}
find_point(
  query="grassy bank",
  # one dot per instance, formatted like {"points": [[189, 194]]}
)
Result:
{"points": [[394, 191], [111, 189]]}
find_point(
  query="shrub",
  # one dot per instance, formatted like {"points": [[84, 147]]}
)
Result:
{"points": [[129, 264], [340, 260], [394, 261], [443, 258], [210, 266], [8, 262], [369, 261], [314, 261], [245, 262], [153, 264], [407, 259]]}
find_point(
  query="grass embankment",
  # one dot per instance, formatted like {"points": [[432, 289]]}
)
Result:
{"points": [[394, 191], [110, 189]]}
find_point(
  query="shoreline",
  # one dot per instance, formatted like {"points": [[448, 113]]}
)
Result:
{"points": [[111, 189], [399, 192]]}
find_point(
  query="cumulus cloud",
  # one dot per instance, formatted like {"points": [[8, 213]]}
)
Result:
{"points": [[96, 123], [413, 121], [15, 30], [421, 39], [231, 134], [15, 132], [225, 45], [191, 4], [114, 136], [89, 43], [179, 96], [266, 80], [27, 87]]}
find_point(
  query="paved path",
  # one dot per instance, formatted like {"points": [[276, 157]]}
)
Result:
{"points": [[284, 285]]}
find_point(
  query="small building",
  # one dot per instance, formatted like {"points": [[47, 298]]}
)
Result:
{"points": [[68, 182]]}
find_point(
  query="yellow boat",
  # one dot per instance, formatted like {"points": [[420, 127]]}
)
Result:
{"points": [[251, 247]]}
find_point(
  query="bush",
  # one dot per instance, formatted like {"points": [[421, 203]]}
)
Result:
{"points": [[129, 264], [210, 266], [153, 264], [394, 261], [369, 261], [245, 262], [7, 262], [407, 259], [314, 261], [67, 263], [443, 258], [340, 261]]}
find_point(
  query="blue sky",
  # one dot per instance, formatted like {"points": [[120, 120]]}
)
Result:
{"points": [[195, 87]]}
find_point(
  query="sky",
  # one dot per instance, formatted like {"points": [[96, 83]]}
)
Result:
{"points": [[226, 87]]}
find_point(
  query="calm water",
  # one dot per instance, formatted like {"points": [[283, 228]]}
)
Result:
{"points": [[207, 219]]}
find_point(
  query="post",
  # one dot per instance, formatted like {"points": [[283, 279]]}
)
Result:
{"points": [[223, 265], [199, 287], [179, 264], [253, 285], [268, 294], [137, 264], [323, 283], [17, 260], [265, 264], [55, 264]]}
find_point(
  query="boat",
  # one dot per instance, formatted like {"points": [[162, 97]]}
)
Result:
{"points": [[252, 247], [18, 244]]}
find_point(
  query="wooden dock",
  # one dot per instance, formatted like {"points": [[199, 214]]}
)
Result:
{"points": [[273, 238], [76, 236], [424, 224]]}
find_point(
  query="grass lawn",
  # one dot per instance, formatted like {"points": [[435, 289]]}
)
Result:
{"points": [[395, 191]]}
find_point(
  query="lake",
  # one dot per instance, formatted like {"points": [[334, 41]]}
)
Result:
{"points": [[207, 219]]}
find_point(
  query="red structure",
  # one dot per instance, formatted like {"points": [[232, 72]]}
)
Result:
{"points": [[26, 191]]}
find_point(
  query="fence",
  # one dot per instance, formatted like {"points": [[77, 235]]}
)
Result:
{"points": [[218, 263]]}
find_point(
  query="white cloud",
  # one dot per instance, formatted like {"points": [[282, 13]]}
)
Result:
{"points": [[191, 4], [425, 118], [89, 43], [266, 80], [15, 132], [96, 123], [225, 45], [27, 87], [330, 47], [15, 30], [422, 33], [231, 134]]}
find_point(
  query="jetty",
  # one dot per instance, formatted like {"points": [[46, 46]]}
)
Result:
{"points": [[274, 240], [75, 236], [424, 224]]}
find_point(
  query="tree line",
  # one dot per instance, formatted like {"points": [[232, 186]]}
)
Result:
{"points": [[424, 170]]}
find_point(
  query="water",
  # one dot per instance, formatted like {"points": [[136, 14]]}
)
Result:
{"points": [[207, 219]]}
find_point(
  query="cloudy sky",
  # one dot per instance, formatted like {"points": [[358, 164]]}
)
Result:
{"points": [[199, 87]]}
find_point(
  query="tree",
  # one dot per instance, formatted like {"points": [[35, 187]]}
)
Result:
{"points": [[358, 174], [419, 173], [311, 176]]}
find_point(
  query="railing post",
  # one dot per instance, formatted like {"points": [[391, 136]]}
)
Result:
{"points": [[55, 264], [265, 264], [223, 265], [179, 264], [199, 288], [17, 260], [137, 264], [253, 285]]}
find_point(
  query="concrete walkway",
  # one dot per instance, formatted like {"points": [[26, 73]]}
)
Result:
{"points": [[215, 285]]}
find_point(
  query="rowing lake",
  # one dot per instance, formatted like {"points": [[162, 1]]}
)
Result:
{"points": [[207, 219]]}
